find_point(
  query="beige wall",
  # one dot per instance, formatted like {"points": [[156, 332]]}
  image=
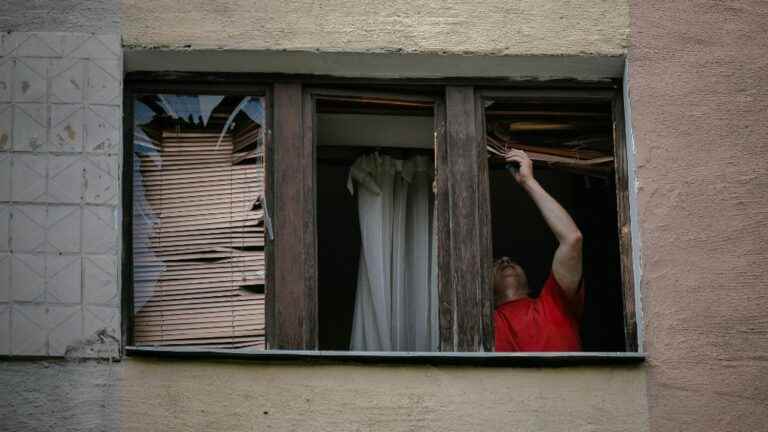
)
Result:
{"points": [[495, 27], [195, 395], [699, 87]]}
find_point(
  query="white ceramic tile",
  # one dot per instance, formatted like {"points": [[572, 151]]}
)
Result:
{"points": [[63, 229], [5, 329], [6, 80], [63, 278], [55, 40], [27, 231], [5, 177], [5, 277], [103, 82], [35, 46], [29, 80], [67, 78], [100, 180], [28, 172], [100, 280], [29, 329], [66, 328], [29, 127], [5, 226], [6, 114], [65, 179], [27, 277], [72, 41], [102, 129], [112, 42], [95, 48], [67, 132], [9, 42], [98, 318], [100, 233]]}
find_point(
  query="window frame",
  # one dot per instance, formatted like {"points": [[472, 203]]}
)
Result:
{"points": [[469, 332], [616, 98]]}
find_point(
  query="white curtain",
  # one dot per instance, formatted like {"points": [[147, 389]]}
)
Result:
{"points": [[396, 300]]}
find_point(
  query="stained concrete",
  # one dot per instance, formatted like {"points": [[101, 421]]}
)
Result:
{"points": [[59, 396], [699, 91], [485, 27], [79, 16]]}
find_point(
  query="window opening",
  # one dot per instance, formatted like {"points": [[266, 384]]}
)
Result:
{"points": [[570, 144], [377, 285]]}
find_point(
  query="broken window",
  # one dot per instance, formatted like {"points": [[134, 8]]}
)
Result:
{"points": [[199, 220], [378, 214]]}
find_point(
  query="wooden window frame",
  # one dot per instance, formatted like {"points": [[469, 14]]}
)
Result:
{"points": [[615, 98], [462, 200]]}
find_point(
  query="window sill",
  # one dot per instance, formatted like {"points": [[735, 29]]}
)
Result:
{"points": [[376, 357]]}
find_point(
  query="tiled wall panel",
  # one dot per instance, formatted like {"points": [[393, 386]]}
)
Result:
{"points": [[60, 133]]}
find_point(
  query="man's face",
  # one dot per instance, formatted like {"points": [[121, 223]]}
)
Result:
{"points": [[509, 276]]}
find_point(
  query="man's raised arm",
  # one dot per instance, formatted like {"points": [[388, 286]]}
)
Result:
{"points": [[566, 265]]}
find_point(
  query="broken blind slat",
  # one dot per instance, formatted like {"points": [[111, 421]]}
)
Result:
{"points": [[198, 246]]}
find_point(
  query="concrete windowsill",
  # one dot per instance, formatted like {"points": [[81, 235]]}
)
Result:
{"points": [[376, 357]]}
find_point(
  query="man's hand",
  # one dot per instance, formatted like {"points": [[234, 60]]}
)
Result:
{"points": [[524, 172]]}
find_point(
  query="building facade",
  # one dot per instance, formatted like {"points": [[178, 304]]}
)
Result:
{"points": [[693, 77]]}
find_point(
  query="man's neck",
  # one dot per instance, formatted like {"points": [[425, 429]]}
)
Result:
{"points": [[509, 296]]}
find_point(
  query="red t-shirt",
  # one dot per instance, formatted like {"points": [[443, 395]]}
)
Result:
{"points": [[549, 322]]}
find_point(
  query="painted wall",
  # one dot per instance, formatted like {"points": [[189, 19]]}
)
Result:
{"points": [[144, 395], [699, 89], [497, 27], [491, 38]]}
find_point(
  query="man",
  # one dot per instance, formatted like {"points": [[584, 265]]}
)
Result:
{"points": [[551, 321]]}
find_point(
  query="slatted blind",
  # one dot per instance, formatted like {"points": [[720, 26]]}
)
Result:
{"points": [[198, 254]]}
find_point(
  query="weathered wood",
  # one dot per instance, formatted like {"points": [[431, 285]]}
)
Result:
{"points": [[446, 294], [468, 210], [292, 296], [485, 230], [309, 247], [623, 215]]}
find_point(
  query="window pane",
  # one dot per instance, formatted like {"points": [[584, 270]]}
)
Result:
{"points": [[198, 220]]}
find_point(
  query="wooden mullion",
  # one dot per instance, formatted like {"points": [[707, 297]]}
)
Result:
{"points": [[468, 208], [311, 306], [623, 215], [484, 229], [291, 311], [446, 294]]}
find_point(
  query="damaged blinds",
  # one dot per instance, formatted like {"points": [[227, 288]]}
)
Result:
{"points": [[198, 220]]}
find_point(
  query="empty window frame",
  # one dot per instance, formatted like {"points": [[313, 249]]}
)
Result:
{"points": [[576, 141], [464, 301], [198, 220]]}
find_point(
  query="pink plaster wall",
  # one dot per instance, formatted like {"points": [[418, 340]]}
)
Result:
{"points": [[699, 90]]}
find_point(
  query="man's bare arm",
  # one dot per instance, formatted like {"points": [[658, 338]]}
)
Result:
{"points": [[566, 265]]}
